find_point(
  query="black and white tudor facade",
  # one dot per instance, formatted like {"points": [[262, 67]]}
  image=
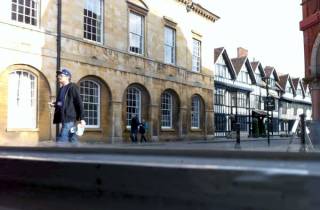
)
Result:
{"points": [[240, 88]]}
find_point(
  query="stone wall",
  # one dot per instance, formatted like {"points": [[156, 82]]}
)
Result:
{"points": [[111, 65]]}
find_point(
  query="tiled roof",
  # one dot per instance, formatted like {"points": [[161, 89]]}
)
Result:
{"points": [[238, 63], [257, 65], [295, 82], [268, 71], [254, 65], [283, 81], [278, 86], [217, 53], [223, 52]]}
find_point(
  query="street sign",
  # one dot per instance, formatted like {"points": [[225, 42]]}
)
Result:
{"points": [[269, 103]]}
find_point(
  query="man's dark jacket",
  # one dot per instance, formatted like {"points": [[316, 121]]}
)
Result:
{"points": [[72, 109], [134, 124]]}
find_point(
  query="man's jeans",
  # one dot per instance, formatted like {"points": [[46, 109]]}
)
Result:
{"points": [[133, 135], [65, 135]]}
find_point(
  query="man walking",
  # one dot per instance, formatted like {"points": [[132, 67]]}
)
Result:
{"points": [[68, 108], [142, 131], [134, 128]]}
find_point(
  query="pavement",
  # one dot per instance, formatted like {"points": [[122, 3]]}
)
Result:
{"points": [[276, 144]]}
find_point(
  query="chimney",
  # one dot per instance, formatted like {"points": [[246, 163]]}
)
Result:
{"points": [[242, 52]]}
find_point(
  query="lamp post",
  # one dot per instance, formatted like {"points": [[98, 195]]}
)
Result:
{"points": [[266, 80]]}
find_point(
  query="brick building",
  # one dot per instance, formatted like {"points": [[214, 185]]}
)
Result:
{"points": [[310, 25], [151, 58]]}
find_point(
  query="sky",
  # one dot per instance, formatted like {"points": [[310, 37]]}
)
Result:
{"points": [[268, 29]]}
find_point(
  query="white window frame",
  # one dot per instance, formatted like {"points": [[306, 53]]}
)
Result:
{"points": [[89, 99], [299, 90], [91, 6], [134, 32], [166, 120], [169, 44], [258, 78], [244, 76], [272, 81], [289, 88], [136, 97], [14, 16], [222, 70], [307, 92], [195, 112], [22, 100], [196, 55]]}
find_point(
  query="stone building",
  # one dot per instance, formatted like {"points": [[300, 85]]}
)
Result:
{"points": [[151, 58]]}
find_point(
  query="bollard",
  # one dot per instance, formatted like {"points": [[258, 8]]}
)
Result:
{"points": [[303, 128], [238, 132]]}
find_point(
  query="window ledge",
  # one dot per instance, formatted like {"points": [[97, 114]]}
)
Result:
{"points": [[93, 130], [25, 25], [167, 129], [22, 129], [141, 55], [196, 129], [89, 41]]}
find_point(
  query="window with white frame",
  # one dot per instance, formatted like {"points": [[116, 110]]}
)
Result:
{"points": [[219, 96], [133, 103], [196, 55], [136, 33], [169, 45], [222, 69], [92, 20], [25, 11], [195, 112], [299, 90], [166, 110], [272, 82], [289, 88], [307, 92], [22, 100], [244, 76], [284, 107], [258, 78], [90, 94], [242, 100]]}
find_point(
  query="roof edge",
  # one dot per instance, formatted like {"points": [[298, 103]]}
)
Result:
{"points": [[197, 8]]}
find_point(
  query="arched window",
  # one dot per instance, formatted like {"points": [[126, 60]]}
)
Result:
{"points": [[133, 104], [90, 94], [22, 100], [195, 112], [166, 110]]}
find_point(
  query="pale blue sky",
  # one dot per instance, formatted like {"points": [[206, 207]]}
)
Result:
{"points": [[268, 29]]}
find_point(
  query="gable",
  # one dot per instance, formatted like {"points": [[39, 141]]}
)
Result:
{"points": [[299, 90], [289, 86], [307, 91], [221, 62], [243, 75]]}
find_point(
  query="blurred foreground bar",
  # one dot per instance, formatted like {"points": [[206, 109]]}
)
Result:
{"points": [[52, 178]]}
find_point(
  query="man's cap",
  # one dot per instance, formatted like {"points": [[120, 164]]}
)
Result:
{"points": [[65, 72]]}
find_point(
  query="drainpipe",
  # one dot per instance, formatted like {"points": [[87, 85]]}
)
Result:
{"points": [[58, 66]]}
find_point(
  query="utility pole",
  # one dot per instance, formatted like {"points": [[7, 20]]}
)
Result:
{"points": [[268, 117], [267, 105], [58, 61]]}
